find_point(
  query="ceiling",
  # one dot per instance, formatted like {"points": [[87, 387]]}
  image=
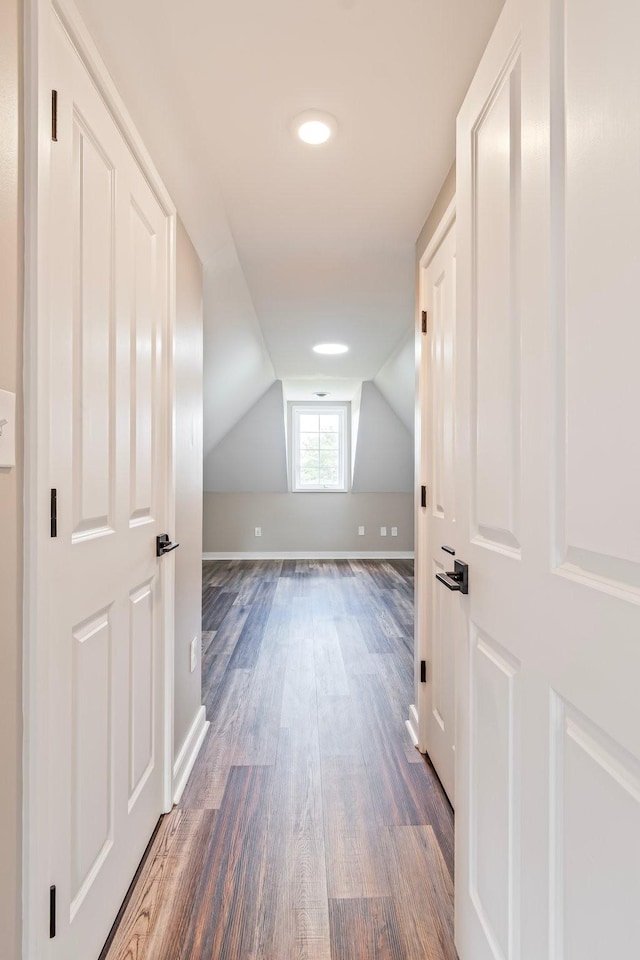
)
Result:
{"points": [[324, 236]]}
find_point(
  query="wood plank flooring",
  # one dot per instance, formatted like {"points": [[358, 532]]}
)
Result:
{"points": [[310, 828]]}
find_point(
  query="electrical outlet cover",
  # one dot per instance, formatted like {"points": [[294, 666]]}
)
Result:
{"points": [[7, 429], [383, 531], [194, 653], [394, 531], [361, 531], [258, 531]]}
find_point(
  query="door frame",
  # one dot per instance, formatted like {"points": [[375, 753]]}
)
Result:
{"points": [[36, 666], [418, 710]]}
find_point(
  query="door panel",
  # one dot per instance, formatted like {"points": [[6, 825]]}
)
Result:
{"points": [[142, 707], [92, 753], [93, 334], [489, 686], [495, 364], [597, 373], [143, 363], [109, 291], [493, 802], [548, 750], [588, 764]]}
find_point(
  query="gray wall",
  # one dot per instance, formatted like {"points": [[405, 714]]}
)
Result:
{"points": [[246, 486], [188, 449], [10, 481], [252, 456], [237, 365], [396, 380], [384, 450], [303, 522]]}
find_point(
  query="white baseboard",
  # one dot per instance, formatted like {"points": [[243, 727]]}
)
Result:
{"points": [[412, 725], [189, 753], [312, 555]]}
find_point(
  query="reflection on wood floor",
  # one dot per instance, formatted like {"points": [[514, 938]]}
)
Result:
{"points": [[310, 829]]}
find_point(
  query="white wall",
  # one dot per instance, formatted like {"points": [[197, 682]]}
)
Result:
{"points": [[252, 456], [188, 450], [396, 380]]}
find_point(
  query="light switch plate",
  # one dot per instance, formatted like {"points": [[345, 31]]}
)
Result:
{"points": [[7, 429]]}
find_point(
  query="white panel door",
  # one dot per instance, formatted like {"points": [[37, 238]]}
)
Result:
{"points": [[441, 620], [108, 252], [548, 736]]}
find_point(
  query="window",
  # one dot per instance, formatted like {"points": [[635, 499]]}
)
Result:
{"points": [[319, 434]]}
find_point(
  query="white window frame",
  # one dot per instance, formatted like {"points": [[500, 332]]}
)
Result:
{"points": [[300, 409]]}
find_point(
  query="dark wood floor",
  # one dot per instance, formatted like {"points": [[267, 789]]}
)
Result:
{"points": [[311, 829]]}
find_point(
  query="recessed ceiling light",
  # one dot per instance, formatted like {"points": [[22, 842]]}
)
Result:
{"points": [[314, 131], [314, 127], [321, 394], [330, 348]]}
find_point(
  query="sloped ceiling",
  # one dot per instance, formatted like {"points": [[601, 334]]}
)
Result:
{"points": [[323, 237]]}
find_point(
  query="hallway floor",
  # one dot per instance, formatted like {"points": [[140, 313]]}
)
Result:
{"points": [[310, 828]]}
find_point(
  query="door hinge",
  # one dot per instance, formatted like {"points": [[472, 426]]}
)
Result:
{"points": [[423, 671], [54, 512], [52, 912], [423, 496], [424, 321], [54, 114]]}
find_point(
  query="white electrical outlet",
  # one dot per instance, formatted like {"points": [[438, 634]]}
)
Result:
{"points": [[394, 531], [361, 531], [193, 649], [7, 429], [383, 531], [258, 531]]}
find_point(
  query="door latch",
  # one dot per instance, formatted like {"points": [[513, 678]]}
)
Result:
{"points": [[456, 579], [164, 545]]}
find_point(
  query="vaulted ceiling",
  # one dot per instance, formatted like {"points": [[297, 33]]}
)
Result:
{"points": [[300, 244]]}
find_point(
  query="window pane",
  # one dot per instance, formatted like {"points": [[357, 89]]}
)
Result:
{"points": [[318, 448], [329, 474], [329, 441], [309, 476], [309, 423], [329, 423], [309, 460], [309, 441]]}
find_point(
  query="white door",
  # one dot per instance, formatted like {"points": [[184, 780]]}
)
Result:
{"points": [[440, 618], [548, 453], [108, 250]]}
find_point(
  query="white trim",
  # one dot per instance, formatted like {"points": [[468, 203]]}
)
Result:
{"points": [[343, 410], [448, 218], [419, 711], [412, 725], [38, 21], [310, 555], [189, 753]]}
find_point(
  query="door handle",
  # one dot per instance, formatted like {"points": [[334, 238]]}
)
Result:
{"points": [[456, 579], [164, 545]]}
